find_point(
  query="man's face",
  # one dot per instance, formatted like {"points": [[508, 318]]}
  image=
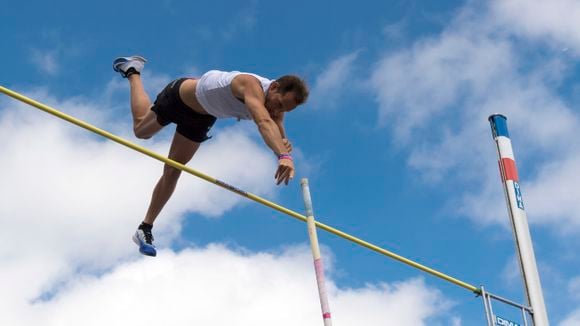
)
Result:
{"points": [[277, 102]]}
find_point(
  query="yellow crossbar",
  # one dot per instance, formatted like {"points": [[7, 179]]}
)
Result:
{"points": [[222, 184]]}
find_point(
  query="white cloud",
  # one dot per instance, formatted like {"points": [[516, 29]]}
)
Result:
{"points": [[330, 83], [242, 20], [51, 50], [46, 61], [505, 58], [574, 287], [70, 202], [511, 274], [572, 319], [456, 321], [418, 84], [57, 174], [555, 21], [556, 179], [437, 94], [220, 286], [398, 304]]}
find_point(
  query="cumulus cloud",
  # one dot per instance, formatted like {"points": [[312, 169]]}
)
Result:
{"points": [[46, 61], [499, 57], [574, 287], [418, 84], [221, 286], [399, 304], [242, 20], [64, 188], [572, 320], [330, 83], [554, 21], [70, 202], [51, 50], [556, 179], [436, 95], [511, 274]]}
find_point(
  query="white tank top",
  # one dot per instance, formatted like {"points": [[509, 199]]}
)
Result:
{"points": [[214, 93]]}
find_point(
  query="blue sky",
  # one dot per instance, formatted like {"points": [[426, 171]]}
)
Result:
{"points": [[394, 140]]}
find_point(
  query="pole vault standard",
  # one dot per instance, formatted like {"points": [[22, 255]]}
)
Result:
{"points": [[240, 192], [519, 220], [318, 268]]}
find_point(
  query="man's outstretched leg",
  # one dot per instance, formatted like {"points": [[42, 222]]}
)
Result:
{"points": [[145, 125], [182, 150]]}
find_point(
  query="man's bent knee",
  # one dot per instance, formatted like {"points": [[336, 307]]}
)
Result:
{"points": [[142, 134], [147, 126], [146, 129]]}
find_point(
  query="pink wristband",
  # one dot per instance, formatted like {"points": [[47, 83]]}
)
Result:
{"points": [[284, 157]]}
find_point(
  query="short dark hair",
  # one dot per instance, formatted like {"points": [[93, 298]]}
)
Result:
{"points": [[294, 84]]}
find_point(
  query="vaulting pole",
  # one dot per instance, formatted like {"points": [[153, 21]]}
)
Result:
{"points": [[318, 268], [231, 188], [519, 220]]}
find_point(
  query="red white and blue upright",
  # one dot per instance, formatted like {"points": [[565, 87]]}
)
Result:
{"points": [[519, 220]]}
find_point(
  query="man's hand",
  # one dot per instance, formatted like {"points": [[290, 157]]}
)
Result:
{"points": [[285, 171], [288, 144]]}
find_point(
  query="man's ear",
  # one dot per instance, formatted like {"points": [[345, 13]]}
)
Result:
{"points": [[274, 86]]}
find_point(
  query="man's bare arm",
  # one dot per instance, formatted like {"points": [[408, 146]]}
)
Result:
{"points": [[249, 89], [279, 119]]}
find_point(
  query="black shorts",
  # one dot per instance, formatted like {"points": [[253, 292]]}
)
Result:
{"points": [[170, 108]]}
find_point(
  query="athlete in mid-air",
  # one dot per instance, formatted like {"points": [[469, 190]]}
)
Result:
{"points": [[194, 105]]}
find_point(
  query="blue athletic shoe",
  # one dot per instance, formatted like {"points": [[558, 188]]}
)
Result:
{"points": [[144, 239], [127, 66]]}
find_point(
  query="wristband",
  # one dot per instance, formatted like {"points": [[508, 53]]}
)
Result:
{"points": [[284, 157]]}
